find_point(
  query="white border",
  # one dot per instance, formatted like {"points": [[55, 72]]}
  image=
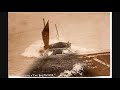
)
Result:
{"points": [[111, 44], [79, 77], [60, 77], [59, 12]]}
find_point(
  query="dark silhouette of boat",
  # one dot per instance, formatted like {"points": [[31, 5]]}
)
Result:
{"points": [[55, 48]]}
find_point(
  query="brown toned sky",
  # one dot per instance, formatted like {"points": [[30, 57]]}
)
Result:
{"points": [[89, 30]]}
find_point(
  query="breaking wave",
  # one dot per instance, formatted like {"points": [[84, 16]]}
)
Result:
{"points": [[36, 48], [78, 69]]}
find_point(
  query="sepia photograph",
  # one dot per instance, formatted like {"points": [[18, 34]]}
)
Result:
{"points": [[59, 44]]}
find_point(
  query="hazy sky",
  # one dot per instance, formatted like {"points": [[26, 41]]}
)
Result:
{"points": [[87, 30]]}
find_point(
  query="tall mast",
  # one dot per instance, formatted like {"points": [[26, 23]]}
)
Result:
{"points": [[44, 22], [57, 31]]}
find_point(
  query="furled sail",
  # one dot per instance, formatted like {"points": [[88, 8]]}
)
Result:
{"points": [[45, 36]]}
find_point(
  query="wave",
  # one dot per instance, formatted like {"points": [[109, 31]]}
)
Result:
{"points": [[36, 47], [78, 69]]}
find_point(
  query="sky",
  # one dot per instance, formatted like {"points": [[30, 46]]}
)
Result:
{"points": [[86, 30]]}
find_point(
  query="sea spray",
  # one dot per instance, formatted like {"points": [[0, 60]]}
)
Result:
{"points": [[36, 49], [78, 69]]}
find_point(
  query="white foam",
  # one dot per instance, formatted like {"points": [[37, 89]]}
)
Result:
{"points": [[35, 47], [81, 50], [77, 69]]}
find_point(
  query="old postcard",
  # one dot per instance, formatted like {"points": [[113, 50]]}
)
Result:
{"points": [[59, 44]]}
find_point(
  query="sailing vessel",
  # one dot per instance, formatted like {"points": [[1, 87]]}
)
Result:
{"points": [[55, 48], [45, 36]]}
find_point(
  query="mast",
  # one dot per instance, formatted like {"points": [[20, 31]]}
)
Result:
{"points": [[57, 31], [45, 35], [44, 22]]}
